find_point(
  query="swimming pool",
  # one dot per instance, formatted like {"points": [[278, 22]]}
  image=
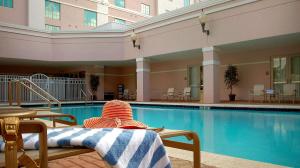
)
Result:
{"points": [[265, 136]]}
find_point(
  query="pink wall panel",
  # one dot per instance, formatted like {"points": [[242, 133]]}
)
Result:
{"points": [[16, 15]]}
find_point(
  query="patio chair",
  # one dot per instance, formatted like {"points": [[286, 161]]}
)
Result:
{"points": [[258, 91], [170, 94], [42, 156], [186, 94], [289, 91], [126, 94]]}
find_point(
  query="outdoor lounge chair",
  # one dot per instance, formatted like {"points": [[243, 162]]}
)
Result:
{"points": [[258, 91], [186, 95], [170, 94], [128, 95], [44, 154], [289, 91]]}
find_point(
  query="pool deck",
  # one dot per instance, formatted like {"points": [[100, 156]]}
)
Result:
{"points": [[210, 159], [207, 158]]}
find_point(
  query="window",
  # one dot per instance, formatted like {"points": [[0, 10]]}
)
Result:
{"points": [[145, 9], [52, 28], [121, 21], [6, 3], [120, 3], [186, 2], [90, 18], [52, 10]]}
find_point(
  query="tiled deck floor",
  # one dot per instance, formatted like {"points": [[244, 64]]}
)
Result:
{"points": [[92, 160]]}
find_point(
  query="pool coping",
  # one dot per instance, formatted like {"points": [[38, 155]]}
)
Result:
{"points": [[276, 107]]}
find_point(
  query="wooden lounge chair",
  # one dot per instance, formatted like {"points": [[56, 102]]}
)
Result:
{"points": [[44, 154]]}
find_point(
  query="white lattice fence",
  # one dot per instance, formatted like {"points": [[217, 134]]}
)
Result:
{"points": [[61, 88]]}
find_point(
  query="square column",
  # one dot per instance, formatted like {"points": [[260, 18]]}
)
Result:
{"points": [[211, 75], [36, 14], [143, 79]]}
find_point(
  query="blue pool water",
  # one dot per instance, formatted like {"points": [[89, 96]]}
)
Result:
{"points": [[265, 136]]}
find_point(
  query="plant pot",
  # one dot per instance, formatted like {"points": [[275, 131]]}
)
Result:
{"points": [[231, 97], [94, 97]]}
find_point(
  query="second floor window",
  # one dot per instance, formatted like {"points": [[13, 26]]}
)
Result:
{"points": [[120, 3], [52, 27], [52, 10], [90, 18], [6, 3], [121, 21], [145, 9], [186, 2]]}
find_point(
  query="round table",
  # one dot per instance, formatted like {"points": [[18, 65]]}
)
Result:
{"points": [[13, 112]]}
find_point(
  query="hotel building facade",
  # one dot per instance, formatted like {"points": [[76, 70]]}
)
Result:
{"points": [[260, 37]]}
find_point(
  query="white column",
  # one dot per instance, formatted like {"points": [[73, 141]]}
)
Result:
{"points": [[143, 79], [102, 12], [211, 75], [36, 14]]}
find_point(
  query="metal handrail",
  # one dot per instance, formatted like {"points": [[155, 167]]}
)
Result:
{"points": [[91, 94], [41, 90], [86, 96], [47, 97], [44, 98]]}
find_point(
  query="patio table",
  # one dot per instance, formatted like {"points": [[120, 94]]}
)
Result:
{"points": [[270, 94]]}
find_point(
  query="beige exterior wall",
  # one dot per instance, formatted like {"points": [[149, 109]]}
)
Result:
{"points": [[16, 15], [269, 28], [113, 76], [136, 5], [72, 13], [164, 6]]}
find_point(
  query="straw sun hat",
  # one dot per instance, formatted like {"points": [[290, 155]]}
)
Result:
{"points": [[115, 114]]}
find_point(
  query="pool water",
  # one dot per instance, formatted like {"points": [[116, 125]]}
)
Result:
{"points": [[265, 136]]}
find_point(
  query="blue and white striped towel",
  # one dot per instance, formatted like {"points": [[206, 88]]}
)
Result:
{"points": [[119, 147]]}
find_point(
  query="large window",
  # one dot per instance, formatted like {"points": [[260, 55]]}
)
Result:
{"points": [[90, 18], [121, 21], [145, 9], [186, 2], [120, 3], [52, 27], [6, 3], [52, 9]]}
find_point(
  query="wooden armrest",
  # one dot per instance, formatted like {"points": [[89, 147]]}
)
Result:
{"points": [[31, 126], [54, 116]]}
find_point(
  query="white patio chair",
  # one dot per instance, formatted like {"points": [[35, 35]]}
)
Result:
{"points": [[170, 94], [258, 91], [289, 91], [186, 94], [126, 94]]}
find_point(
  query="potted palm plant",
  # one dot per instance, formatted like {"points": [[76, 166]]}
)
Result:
{"points": [[94, 83], [231, 79]]}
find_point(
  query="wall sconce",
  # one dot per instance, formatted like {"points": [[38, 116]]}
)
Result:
{"points": [[202, 19], [134, 39]]}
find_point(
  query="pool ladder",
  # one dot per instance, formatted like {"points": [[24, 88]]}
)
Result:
{"points": [[33, 88], [88, 96]]}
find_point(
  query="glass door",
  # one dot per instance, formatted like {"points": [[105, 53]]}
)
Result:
{"points": [[279, 68], [195, 81], [295, 73], [286, 70]]}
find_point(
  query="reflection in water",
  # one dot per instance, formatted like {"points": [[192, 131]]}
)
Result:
{"points": [[264, 136]]}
